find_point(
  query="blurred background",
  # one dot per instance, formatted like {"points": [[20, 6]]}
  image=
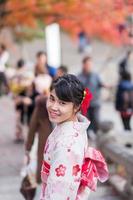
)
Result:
{"points": [[41, 40]]}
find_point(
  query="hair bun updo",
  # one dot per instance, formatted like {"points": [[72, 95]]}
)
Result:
{"points": [[68, 88]]}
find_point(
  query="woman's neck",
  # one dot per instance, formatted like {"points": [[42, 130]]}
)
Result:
{"points": [[74, 119]]}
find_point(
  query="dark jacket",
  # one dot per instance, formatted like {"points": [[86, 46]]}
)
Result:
{"points": [[124, 96]]}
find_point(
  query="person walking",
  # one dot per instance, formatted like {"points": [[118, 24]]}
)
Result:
{"points": [[92, 81], [124, 99]]}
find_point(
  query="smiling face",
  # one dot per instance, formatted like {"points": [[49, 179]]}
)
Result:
{"points": [[60, 111]]}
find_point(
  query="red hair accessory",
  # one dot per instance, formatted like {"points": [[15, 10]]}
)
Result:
{"points": [[86, 101]]}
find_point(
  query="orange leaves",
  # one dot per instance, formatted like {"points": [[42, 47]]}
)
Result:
{"points": [[20, 12], [95, 17]]}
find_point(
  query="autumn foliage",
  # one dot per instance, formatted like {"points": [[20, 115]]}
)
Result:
{"points": [[99, 18]]}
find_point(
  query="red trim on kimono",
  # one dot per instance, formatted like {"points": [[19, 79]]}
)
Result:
{"points": [[45, 167]]}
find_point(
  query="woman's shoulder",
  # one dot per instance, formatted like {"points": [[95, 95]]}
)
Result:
{"points": [[71, 137], [75, 129]]}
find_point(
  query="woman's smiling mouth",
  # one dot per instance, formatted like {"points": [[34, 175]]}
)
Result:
{"points": [[53, 114]]}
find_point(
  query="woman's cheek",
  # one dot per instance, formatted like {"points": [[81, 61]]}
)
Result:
{"points": [[48, 105]]}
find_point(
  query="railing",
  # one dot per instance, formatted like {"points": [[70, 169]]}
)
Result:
{"points": [[118, 149]]}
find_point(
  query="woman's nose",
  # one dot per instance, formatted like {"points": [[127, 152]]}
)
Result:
{"points": [[55, 106]]}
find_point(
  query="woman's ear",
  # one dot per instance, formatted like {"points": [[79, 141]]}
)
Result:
{"points": [[76, 109]]}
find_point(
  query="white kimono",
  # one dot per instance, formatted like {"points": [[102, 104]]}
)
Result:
{"points": [[64, 156]]}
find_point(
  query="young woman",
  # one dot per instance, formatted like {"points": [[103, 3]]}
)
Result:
{"points": [[69, 168]]}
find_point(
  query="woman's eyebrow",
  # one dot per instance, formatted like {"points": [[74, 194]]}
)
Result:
{"points": [[53, 96]]}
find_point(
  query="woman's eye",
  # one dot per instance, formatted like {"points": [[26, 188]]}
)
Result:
{"points": [[62, 103], [51, 98]]}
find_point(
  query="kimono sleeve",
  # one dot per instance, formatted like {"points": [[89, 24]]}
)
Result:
{"points": [[65, 171]]}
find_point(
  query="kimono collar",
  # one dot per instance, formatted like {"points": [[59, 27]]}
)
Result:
{"points": [[81, 125]]}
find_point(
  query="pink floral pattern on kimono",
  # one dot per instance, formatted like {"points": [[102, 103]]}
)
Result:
{"points": [[64, 156], [60, 171]]}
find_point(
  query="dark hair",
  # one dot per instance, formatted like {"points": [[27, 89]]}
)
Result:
{"points": [[126, 76], [69, 88], [40, 53], [85, 59], [20, 63], [63, 69]]}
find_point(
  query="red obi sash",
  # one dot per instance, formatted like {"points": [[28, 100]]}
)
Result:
{"points": [[93, 169]]}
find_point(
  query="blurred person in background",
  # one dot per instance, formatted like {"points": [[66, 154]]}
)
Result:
{"points": [[124, 63], [92, 81], [4, 56], [41, 63], [39, 128], [42, 66], [124, 99], [20, 78], [24, 104], [62, 70], [43, 77], [84, 42], [24, 94]]}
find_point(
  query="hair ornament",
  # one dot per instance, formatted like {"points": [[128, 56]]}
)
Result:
{"points": [[87, 97], [84, 94]]}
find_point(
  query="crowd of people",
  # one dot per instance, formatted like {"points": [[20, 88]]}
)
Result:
{"points": [[30, 92]]}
